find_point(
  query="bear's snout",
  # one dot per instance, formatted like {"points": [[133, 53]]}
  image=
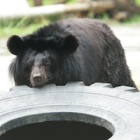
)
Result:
{"points": [[38, 77]]}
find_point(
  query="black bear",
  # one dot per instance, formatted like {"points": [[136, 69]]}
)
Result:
{"points": [[69, 50]]}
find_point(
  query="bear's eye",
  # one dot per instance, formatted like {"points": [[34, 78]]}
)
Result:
{"points": [[28, 65], [30, 62], [46, 62], [27, 68]]}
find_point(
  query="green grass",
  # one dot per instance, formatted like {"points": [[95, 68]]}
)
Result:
{"points": [[134, 19], [8, 31], [49, 2], [44, 2], [24, 26], [137, 2], [20, 26], [71, 2]]}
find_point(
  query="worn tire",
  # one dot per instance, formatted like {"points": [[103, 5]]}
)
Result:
{"points": [[116, 109]]}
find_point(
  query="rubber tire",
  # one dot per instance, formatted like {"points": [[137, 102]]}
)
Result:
{"points": [[116, 109]]}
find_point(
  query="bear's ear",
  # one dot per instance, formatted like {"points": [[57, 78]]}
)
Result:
{"points": [[69, 44], [15, 44]]}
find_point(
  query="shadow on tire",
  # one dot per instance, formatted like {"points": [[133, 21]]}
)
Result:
{"points": [[61, 130]]}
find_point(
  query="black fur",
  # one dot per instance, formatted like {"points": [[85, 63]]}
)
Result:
{"points": [[77, 49]]}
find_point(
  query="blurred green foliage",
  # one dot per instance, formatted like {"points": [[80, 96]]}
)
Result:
{"points": [[22, 26], [49, 2], [137, 2], [134, 19], [45, 2]]}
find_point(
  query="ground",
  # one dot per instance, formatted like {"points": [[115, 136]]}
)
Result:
{"points": [[129, 36]]}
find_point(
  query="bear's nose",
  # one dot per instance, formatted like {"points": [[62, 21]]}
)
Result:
{"points": [[37, 78]]}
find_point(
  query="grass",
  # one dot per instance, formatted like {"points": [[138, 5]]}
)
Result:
{"points": [[21, 26], [134, 19], [45, 2], [49, 2], [26, 25], [137, 2], [6, 32], [71, 2]]}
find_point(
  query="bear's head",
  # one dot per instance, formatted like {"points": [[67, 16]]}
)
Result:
{"points": [[39, 60]]}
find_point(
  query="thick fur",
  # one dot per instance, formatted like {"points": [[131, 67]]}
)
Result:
{"points": [[75, 49]]}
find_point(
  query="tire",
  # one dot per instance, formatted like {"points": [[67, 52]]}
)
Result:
{"points": [[116, 109]]}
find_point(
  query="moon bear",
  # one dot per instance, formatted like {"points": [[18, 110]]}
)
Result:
{"points": [[69, 50]]}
